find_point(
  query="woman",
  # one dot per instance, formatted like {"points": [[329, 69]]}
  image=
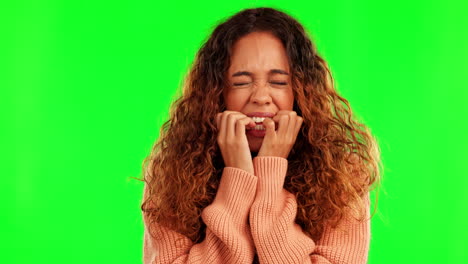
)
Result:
{"points": [[260, 161]]}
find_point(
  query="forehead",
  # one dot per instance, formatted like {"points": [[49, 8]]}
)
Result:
{"points": [[258, 52]]}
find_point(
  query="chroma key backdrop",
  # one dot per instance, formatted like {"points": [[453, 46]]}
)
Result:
{"points": [[86, 85]]}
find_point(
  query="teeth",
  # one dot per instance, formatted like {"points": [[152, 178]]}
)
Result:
{"points": [[258, 119], [259, 127]]}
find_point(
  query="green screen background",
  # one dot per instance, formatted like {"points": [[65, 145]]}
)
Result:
{"points": [[86, 85]]}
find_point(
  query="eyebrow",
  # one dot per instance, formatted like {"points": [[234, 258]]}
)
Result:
{"points": [[272, 71]]}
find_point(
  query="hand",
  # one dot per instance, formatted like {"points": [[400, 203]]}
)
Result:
{"points": [[279, 143], [232, 139]]}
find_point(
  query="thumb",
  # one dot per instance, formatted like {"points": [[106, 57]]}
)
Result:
{"points": [[269, 125]]}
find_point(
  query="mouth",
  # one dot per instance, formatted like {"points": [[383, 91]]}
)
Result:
{"points": [[261, 114], [258, 118], [259, 125]]}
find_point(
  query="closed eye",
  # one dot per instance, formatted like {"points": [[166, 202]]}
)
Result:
{"points": [[278, 83], [239, 84]]}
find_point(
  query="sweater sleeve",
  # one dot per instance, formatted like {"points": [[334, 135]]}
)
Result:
{"points": [[228, 238], [278, 239]]}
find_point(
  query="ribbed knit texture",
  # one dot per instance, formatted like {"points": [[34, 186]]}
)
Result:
{"points": [[254, 214]]}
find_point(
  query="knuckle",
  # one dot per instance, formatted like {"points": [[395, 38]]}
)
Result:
{"points": [[240, 121], [230, 116]]}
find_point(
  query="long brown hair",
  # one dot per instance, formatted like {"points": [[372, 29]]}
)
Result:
{"points": [[183, 171]]}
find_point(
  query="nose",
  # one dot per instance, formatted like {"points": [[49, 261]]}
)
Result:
{"points": [[261, 95]]}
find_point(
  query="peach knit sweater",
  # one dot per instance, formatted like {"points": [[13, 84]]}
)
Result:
{"points": [[253, 216]]}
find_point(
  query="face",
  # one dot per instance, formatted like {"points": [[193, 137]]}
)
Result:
{"points": [[259, 79]]}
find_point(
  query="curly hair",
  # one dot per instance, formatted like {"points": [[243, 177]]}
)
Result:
{"points": [[332, 166]]}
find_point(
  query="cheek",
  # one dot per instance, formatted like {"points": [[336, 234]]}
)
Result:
{"points": [[291, 100], [228, 100], [286, 101], [234, 101], [291, 104]]}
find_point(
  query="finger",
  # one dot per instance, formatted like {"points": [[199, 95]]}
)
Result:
{"points": [[250, 124], [288, 128], [283, 121], [275, 120], [231, 124], [222, 119], [223, 124], [269, 125], [218, 120], [242, 124], [278, 116], [291, 129], [299, 121]]}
